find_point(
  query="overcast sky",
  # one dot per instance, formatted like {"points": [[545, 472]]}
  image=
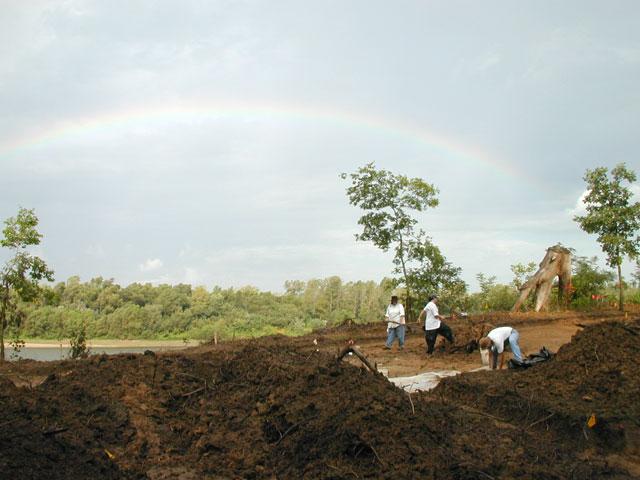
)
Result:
{"points": [[202, 141]]}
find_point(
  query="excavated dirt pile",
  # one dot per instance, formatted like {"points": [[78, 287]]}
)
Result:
{"points": [[265, 411], [34, 445], [587, 396], [271, 409]]}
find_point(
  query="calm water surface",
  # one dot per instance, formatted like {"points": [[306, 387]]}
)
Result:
{"points": [[58, 353]]}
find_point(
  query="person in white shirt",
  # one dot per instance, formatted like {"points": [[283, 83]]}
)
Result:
{"points": [[497, 340], [395, 323], [433, 324]]}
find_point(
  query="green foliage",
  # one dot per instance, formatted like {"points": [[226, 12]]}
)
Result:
{"points": [[78, 341], [589, 282], [16, 345], [492, 296], [522, 272], [430, 272], [20, 231], [74, 309], [633, 296], [612, 216], [389, 201], [636, 276], [22, 273], [246, 312], [455, 298]]}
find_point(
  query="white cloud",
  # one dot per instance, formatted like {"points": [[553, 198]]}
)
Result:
{"points": [[150, 265], [579, 207]]}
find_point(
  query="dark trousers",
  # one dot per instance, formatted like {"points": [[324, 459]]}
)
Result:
{"points": [[430, 335]]}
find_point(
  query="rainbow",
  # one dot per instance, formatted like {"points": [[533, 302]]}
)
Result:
{"points": [[258, 111]]}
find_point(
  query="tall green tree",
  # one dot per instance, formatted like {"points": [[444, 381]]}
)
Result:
{"points": [[612, 216], [21, 274], [390, 202]]}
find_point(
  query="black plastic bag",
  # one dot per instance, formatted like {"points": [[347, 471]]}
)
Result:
{"points": [[542, 356]]}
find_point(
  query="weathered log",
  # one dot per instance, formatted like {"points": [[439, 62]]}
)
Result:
{"points": [[359, 354], [556, 263]]}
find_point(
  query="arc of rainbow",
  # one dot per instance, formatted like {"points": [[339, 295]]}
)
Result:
{"points": [[260, 110]]}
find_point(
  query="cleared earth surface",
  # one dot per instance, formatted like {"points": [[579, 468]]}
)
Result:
{"points": [[282, 407]]}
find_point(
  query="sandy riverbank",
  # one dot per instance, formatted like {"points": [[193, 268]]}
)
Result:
{"points": [[111, 343]]}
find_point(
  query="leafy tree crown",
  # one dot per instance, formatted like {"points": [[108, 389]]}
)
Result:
{"points": [[388, 199], [611, 214]]}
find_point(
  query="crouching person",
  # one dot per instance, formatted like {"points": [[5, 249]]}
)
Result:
{"points": [[496, 341]]}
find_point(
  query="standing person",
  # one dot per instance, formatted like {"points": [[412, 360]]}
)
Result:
{"points": [[497, 340], [395, 323], [433, 324]]}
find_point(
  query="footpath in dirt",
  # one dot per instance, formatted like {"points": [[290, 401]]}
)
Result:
{"points": [[285, 408]]}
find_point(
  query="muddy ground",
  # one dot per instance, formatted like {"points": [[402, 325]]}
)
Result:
{"points": [[283, 408]]}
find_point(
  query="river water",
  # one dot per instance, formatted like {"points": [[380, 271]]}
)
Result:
{"points": [[60, 353]]}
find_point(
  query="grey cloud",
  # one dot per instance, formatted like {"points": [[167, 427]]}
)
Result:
{"points": [[543, 88]]}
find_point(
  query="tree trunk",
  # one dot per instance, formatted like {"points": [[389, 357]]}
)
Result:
{"points": [[407, 312], [621, 297], [3, 316], [2, 336]]}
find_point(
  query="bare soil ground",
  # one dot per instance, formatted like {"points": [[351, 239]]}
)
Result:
{"points": [[282, 407]]}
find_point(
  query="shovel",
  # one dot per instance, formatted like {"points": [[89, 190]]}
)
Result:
{"points": [[398, 323]]}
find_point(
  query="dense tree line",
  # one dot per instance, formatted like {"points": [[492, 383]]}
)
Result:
{"points": [[107, 310], [103, 309]]}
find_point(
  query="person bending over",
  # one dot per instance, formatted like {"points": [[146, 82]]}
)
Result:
{"points": [[497, 340]]}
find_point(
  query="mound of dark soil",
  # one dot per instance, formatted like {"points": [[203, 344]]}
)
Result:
{"points": [[271, 409], [588, 395], [34, 445]]}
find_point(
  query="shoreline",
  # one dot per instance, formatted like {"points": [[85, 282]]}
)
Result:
{"points": [[107, 343]]}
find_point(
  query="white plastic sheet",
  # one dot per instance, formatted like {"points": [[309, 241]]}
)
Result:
{"points": [[422, 382], [425, 381]]}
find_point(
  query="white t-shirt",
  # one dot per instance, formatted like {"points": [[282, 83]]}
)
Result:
{"points": [[431, 321], [498, 336], [396, 314]]}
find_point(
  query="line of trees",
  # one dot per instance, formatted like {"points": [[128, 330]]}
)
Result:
{"points": [[100, 308], [104, 309]]}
